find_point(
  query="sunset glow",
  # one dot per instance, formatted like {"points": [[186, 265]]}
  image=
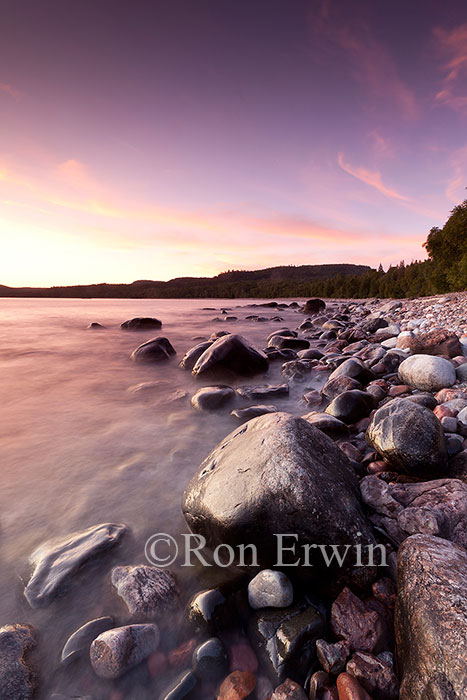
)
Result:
{"points": [[151, 140]]}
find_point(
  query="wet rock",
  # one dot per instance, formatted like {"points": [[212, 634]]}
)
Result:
{"points": [[297, 370], [190, 358], [458, 466], [154, 350], [333, 427], [426, 400], [237, 686], [431, 619], [243, 658], [182, 655], [210, 660], [310, 354], [211, 398], [427, 373], [141, 324], [183, 687], [232, 353], [276, 469], [285, 640], [116, 651], [338, 385], [280, 355], [56, 561], [263, 392], [285, 332], [80, 641], [353, 368], [280, 342], [289, 690], [362, 627], [322, 687], [17, 681], [314, 306], [145, 589], [209, 611], [351, 406], [375, 675], [332, 657], [350, 689], [270, 589], [440, 341], [253, 411]]}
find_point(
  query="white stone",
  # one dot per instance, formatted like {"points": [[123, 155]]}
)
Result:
{"points": [[270, 589], [427, 372]]}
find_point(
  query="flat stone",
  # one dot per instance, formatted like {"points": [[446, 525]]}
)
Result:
{"points": [[57, 560], [270, 589], [328, 424], [80, 640], [17, 680], [338, 385], [116, 651], [146, 590], [263, 392], [253, 411]]}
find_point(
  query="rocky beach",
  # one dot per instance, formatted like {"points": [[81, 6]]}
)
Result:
{"points": [[341, 425]]}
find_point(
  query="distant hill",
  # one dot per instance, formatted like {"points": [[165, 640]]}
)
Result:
{"points": [[287, 280]]}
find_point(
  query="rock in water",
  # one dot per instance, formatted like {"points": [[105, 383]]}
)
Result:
{"points": [[210, 398], [145, 589], [114, 652], [232, 353], [427, 372], [210, 659], [82, 638], [431, 619], [189, 359], [409, 437], [253, 411], [263, 392], [57, 560], [141, 324], [270, 589], [314, 306], [17, 681], [154, 350], [277, 474]]}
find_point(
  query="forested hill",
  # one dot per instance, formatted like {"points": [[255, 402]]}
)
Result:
{"points": [[274, 281]]}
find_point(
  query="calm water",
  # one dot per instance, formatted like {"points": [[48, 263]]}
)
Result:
{"points": [[78, 448]]}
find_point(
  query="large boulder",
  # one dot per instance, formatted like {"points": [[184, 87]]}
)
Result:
{"points": [[277, 474], [231, 353], [409, 437], [141, 324], [314, 306], [440, 341], [17, 681], [431, 619], [154, 350], [427, 372], [429, 508], [190, 358]]}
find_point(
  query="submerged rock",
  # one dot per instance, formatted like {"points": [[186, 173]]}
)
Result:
{"points": [[427, 372], [210, 398], [409, 437], [231, 353], [155, 350], [183, 687], [141, 324], [253, 411], [17, 681], [431, 619], [57, 560], [80, 640], [116, 651], [94, 326], [210, 660], [147, 590], [277, 469], [263, 392]]}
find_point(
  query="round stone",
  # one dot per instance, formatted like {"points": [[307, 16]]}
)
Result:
{"points": [[270, 589]]}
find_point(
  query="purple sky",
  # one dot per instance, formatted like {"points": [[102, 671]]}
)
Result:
{"points": [[153, 139]]}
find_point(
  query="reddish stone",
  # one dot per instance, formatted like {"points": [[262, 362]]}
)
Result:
{"points": [[440, 341], [289, 690], [355, 621], [377, 467], [362, 425], [448, 394], [237, 686], [350, 689], [182, 655], [442, 412], [351, 451], [157, 664], [243, 658], [374, 675], [399, 389], [384, 590]]}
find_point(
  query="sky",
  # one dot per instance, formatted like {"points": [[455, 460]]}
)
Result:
{"points": [[151, 139]]}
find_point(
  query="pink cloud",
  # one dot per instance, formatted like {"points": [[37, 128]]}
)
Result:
{"points": [[371, 178], [9, 90], [453, 46]]}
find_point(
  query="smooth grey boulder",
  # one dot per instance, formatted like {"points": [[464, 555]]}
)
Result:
{"points": [[57, 560], [210, 398], [430, 508], [270, 589], [17, 680], [154, 350], [277, 474], [190, 358], [409, 437], [427, 372], [431, 619], [116, 651], [80, 640], [146, 590], [231, 353], [141, 324]]}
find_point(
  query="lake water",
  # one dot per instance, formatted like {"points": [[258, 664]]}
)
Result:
{"points": [[78, 448]]}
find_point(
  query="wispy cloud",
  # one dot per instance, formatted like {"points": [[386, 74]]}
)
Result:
{"points": [[8, 89], [457, 183], [369, 61], [453, 46], [371, 178], [382, 146]]}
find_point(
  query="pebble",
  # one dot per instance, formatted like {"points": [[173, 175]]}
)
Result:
{"points": [[237, 686], [270, 589]]}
